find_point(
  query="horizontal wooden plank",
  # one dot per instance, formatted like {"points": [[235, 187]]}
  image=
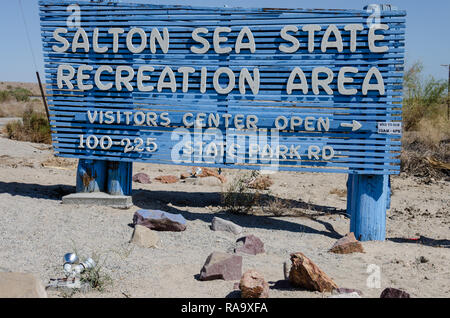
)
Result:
{"points": [[361, 151]]}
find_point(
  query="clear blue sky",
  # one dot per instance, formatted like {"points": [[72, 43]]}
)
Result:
{"points": [[427, 37]]}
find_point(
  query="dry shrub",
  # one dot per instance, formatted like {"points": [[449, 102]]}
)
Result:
{"points": [[277, 206], [426, 153], [34, 127], [239, 197], [248, 193], [96, 277], [426, 140]]}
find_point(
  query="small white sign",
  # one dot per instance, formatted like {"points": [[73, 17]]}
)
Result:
{"points": [[390, 128]]}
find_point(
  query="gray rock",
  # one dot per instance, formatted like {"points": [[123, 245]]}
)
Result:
{"points": [[250, 244], [346, 291], [21, 285], [144, 237], [220, 265], [159, 220], [219, 224]]}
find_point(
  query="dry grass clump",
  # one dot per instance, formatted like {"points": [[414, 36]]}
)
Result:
{"points": [[424, 157], [96, 277], [248, 194], [33, 127], [239, 197], [278, 206]]}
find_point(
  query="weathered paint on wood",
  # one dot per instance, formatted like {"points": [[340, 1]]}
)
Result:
{"points": [[368, 204], [361, 152], [119, 178], [91, 176]]}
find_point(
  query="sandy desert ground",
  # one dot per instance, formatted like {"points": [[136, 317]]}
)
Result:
{"points": [[36, 230]]}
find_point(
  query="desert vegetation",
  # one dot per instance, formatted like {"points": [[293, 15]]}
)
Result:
{"points": [[15, 98], [426, 137], [33, 127]]}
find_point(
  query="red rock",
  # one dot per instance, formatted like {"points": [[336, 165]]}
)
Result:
{"points": [[394, 293], [305, 274], [167, 179], [253, 285], [207, 172], [251, 245], [141, 178], [220, 265], [347, 245]]}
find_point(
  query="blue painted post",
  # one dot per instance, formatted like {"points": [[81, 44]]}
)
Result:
{"points": [[368, 203], [350, 178], [91, 175], [389, 192], [119, 178]]}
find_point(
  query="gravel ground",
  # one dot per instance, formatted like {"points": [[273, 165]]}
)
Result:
{"points": [[36, 230]]}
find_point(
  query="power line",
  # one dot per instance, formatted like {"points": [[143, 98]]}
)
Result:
{"points": [[44, 100], [28, 35]]}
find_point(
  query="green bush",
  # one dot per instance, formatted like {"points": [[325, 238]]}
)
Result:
{"points": [[34, 127], [18, 93], [4, 96], [423, 99], [21, 94]]}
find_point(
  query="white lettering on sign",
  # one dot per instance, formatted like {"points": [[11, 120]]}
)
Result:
{"points": [[138, 41], [125, 75], [285, 88], [390, 128], [212, 120]]}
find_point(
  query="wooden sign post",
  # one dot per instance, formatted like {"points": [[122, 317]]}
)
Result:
{"points": [[261, 88]]}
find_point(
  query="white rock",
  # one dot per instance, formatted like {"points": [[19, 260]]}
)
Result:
{"points": [[347, 295], [144, 237], [219, 224]]}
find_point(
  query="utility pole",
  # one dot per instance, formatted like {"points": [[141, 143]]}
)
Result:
{"points": [[448, 91]]}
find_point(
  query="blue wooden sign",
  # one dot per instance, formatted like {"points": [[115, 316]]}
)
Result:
{"points": [[291, 89]]}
